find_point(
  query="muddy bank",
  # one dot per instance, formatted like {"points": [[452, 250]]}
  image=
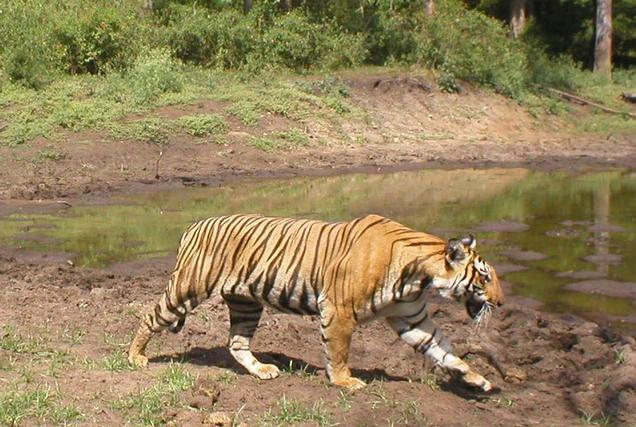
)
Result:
{"points": [[548, 369], [398, 127]]}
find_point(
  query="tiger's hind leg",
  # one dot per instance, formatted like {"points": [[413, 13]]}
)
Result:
{"points": [[244, 318]]}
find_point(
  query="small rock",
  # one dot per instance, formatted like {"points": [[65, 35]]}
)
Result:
{"points": [[209, 388], [221, 419], [515, 375]]}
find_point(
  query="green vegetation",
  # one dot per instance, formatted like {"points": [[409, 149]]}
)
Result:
{"points": [[147, 407], [51, 154], [76, 65], [117, 361], [290, 412], [39, 404], [602, 420], [70, 66], [203, 124]]}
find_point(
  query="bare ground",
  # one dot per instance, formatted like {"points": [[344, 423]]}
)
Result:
{"points": [[548, 369], [65, 329]]}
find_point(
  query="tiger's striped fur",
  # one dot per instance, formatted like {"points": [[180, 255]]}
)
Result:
{"points": [[345, 273]]}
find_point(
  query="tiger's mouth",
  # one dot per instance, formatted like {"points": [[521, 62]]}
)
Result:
{"points": [[479, 311], [474, 307]]}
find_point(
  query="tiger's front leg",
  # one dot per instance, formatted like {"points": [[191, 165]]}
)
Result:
{"points": [[425, 336], [336, 330]]}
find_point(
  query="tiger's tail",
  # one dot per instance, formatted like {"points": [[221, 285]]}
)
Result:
{"points": [[169, 313]]}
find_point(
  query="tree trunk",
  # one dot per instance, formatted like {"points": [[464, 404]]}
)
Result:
{"points": [[247, 5], [148, 5], [285, 5], [518, 17], [603, 40], [429, 7]]}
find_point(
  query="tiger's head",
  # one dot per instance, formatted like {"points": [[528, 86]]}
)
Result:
{"points": [[472, 280]]}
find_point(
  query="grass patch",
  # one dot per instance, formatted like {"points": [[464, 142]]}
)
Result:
{"points": [[13, 342], [290, 412], [150, 130], [431, 381], [246, 111], [279, 140], [266, 144], [148, 405], [117, 361], [203, 124], [227, 378], [51, 154], [17, 406], [602, 420]]}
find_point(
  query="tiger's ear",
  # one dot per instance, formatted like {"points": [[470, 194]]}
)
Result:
{"points": [[469, 242], [457, 249]]}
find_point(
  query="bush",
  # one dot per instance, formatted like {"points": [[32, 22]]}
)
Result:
{"points": [[395, 39], [223, 39], [294, 42], [153, 74], [230, 40], [96, 40], [561, 72], [203, 124], [470, 46], [23, 66], [27, 53]]}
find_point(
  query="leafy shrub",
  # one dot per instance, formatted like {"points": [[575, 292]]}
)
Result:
{"points": [[230, 40], [203, 124], [395, 39], [561, 72], [27, 53], [23, 66], [153, 74], [224, 39], [95, 40], [150, 130], [470, 46], [296, 43]]}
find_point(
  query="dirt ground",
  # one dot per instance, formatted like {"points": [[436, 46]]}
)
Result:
{"points": [[64, 330]]}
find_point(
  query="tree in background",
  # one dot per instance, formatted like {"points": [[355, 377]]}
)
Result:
{"points": [[603, 39], [429, 7], [518, 17]]}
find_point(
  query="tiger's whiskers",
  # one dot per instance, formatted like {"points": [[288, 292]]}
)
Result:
{"points": [[482, 317]]}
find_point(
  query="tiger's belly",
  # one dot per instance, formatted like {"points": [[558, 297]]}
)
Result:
{"points": [[297, 297]]}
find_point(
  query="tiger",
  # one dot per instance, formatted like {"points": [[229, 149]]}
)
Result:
{"points": [[345, 273]]}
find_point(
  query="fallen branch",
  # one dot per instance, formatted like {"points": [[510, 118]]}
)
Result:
{"points": [[571, 97]]}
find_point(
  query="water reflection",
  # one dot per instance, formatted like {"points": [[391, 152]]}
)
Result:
{"points": [[584, 224]]}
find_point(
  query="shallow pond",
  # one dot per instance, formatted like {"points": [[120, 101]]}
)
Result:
{"points": [[562, 238]]}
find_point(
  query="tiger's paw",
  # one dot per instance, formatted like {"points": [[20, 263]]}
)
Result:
{"points": [[351, 383], [477, 381], [138, 360], [266, 372]]}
